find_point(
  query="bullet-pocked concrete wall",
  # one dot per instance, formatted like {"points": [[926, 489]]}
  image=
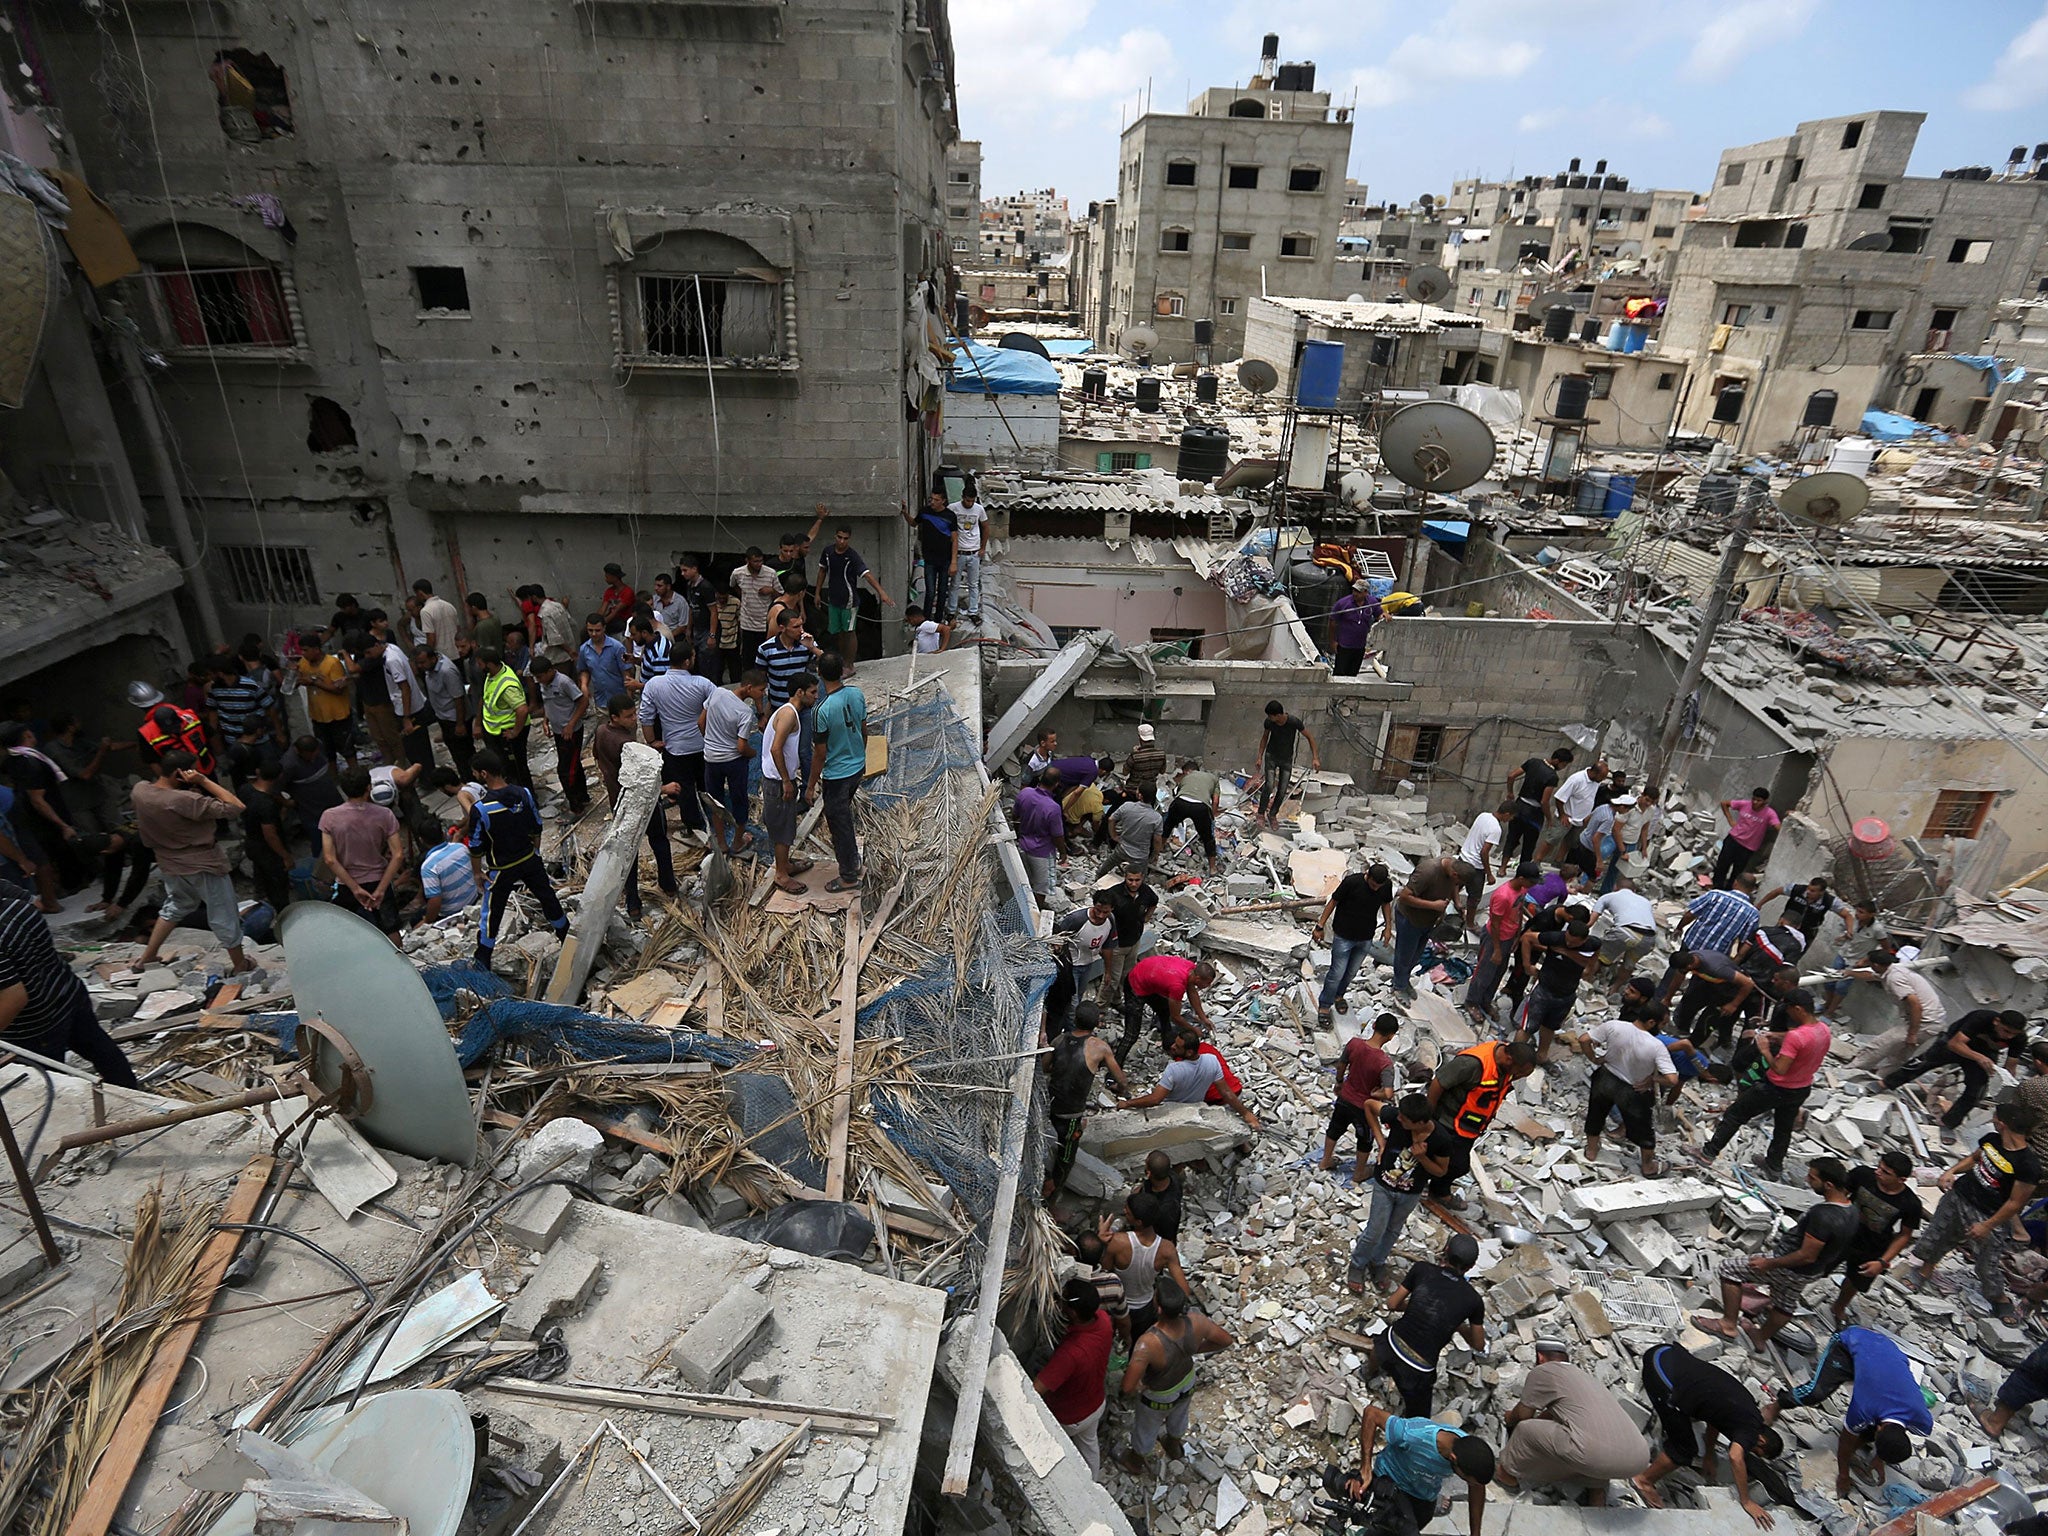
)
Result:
{"points": [[522, 142]]}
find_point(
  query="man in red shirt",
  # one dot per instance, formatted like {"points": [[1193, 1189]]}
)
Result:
{"points": [[1497, 940], [1750, 822], [1074, 1380], [1793, 1057], [616, 606], [1161, 983], [1363, 1074]]}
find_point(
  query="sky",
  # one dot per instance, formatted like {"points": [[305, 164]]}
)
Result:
{"points": [[1500, 88]]}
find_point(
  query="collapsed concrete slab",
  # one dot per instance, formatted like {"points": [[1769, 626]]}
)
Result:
{"points": [[1187, 1133], [1021, 1440], [1639, 1199], [639, 788], [1522, 1517], [1268, 943]]}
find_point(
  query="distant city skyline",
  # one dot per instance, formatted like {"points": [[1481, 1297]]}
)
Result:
{"points": [[1501, 88]]}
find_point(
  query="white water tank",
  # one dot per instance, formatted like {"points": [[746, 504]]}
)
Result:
{"points": [[1854, 456]]}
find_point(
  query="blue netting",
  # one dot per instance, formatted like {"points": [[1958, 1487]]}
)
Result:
{"points": [[571, 1034], [444, 981]]}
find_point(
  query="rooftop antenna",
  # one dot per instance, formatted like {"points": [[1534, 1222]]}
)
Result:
{"points": [[1425, 285], [1258, 376]]}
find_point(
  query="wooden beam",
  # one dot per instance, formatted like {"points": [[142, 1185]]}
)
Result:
{"points": [[117, 1464], [842, 1073], [1939, 1507], [596, 1399]]}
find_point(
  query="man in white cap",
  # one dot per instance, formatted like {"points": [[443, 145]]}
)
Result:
{"points": [[1142, 769], [1352, 617], [1567, 1430]]}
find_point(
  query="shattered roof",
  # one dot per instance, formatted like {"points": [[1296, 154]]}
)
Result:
{"points": [[1340, 314]]}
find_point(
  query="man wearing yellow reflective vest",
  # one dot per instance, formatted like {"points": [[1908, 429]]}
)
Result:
{"points": [[503, 717]]}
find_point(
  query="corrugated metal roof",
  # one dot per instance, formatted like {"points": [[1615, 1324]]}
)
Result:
{"points": [[1413, 319]]}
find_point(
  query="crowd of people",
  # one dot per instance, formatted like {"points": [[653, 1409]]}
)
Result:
{"points": [[1538, 888]]}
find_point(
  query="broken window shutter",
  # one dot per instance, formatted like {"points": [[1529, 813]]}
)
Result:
{"points": [[1144, 461], [1400, 753], [1103, 463]]}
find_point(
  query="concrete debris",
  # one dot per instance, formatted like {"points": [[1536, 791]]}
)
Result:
{"points": [[711, 1348], [559, 1288]]}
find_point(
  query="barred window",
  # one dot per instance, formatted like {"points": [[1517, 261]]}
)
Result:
{"points": [[262, 574], [694, 317], [224, 306]]}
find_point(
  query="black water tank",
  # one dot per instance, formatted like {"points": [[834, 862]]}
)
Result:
{"points": [[1205, 388], [1204, 451], [1573, 391], [1557, 323], [1270, 48], [1382, 355], [1094, 383], [963, 325], [1205, 333], [1148, 393], [1297, 77], [1728, 403], [1820, 409], [1590, 331]]}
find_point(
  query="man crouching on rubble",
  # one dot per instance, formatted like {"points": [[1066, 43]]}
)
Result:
{"points": [[1403, 1480], [1684, 1389]]}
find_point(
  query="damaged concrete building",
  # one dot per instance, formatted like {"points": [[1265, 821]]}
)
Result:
{"points": [[496, 298]]}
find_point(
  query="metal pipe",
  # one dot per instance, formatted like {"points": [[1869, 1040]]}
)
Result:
{"points": [[166, 475], [99, 1133], [51, 1251], [1756, 496]]}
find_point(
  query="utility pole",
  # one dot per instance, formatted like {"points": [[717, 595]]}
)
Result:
{"points": [[1756, 496]]}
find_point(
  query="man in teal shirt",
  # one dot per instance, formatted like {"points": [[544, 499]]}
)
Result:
{"points": [[839, 759], [1404, 1479]]}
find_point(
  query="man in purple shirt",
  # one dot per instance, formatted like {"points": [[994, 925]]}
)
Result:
{"points": [[1351, 619], [1749, 823], [1041, 831]]}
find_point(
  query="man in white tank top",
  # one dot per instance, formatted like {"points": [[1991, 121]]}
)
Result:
{"points": [[1139, 1256], [782, 779]]}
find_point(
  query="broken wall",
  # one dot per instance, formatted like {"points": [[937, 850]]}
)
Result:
{"points": [[1901, 778], [509, 142]]}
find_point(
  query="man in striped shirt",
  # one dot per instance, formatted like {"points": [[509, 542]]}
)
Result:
{"points": [[44, 1007], [244, 711], [447, 877], [784, 654]]}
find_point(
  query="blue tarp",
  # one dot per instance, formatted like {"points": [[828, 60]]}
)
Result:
{"points": [[1064, 347], [1889, 427], [1983, 364], [979, 370], [1446, 531]]}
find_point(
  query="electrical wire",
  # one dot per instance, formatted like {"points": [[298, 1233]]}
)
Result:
{"points": [[205, 1376], [299, 1237]]}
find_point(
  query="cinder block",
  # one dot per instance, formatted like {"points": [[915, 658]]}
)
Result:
{"points": [[711, 1348], [559, 1289], [720, 1203], [536, 1218]]}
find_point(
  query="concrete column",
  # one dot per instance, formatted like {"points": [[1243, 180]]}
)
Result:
{"points": [[639, 786]]}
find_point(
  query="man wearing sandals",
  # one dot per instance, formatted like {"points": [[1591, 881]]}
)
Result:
{"points": [[839, 761], [782, 780]]}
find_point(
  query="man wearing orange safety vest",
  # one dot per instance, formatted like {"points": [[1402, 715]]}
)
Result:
{"points": [[1466, 1092], [165, 726]]}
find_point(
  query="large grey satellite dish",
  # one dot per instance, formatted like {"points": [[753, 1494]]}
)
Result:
{"points": [[1138, 341], [1426, 285], [1024, 341], [346, 973], [1258, 375], [1871, 242], [1829, 499], [1436, 446]]}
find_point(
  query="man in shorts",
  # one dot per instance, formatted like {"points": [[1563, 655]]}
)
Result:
{"points": [[841, 573]]}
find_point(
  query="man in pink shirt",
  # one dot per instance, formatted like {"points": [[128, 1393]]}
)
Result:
{"points": [[1791, 1059], [1749, 823]]}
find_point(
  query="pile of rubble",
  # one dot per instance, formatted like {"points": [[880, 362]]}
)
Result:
{"points": [[1587, 1250]]}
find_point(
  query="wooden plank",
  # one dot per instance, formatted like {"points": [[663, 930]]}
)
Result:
{"points": [[1939, 1507], [117, 1464], [842, 1072], [896, 1221], [714, 998], [670, 1015]]}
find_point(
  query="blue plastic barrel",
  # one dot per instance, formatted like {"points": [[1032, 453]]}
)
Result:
{"points": [[1593, 485], [1635, 336], [1616, 337], [1322, 371], [1621, 493]]}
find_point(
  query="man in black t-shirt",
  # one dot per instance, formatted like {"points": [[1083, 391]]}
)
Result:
{"points": [[1982, 1193], [1131, 905], [1360, 907], [1973, 1045], [1889, 1214], [1559, 958], [1275, 758], [263, 836], [1435, 1303], [1684, 1390], [1532, 785], [1414, 1148], [1715, 991], [1817, 1242]]}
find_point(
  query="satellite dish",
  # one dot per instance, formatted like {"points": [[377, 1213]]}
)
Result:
{"points": [[1354, 298], [1830, 499], [1436, 446], [1544, 302], [1022, 341], [1871, 242], [1428, 284], [1258, 375], [1138, 341]]}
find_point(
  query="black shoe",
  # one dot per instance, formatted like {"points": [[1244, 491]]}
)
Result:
{"points": [[1772, 1171]]}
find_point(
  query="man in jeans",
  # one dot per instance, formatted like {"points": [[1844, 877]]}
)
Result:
{"points": [[1792, 1058], [176, 816], [1497, 939], [1415, 1149], [727, 720], [1360, 904], [1417, 911], [365, 847], [671, 714], [1750, 823], [839, 762]]}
